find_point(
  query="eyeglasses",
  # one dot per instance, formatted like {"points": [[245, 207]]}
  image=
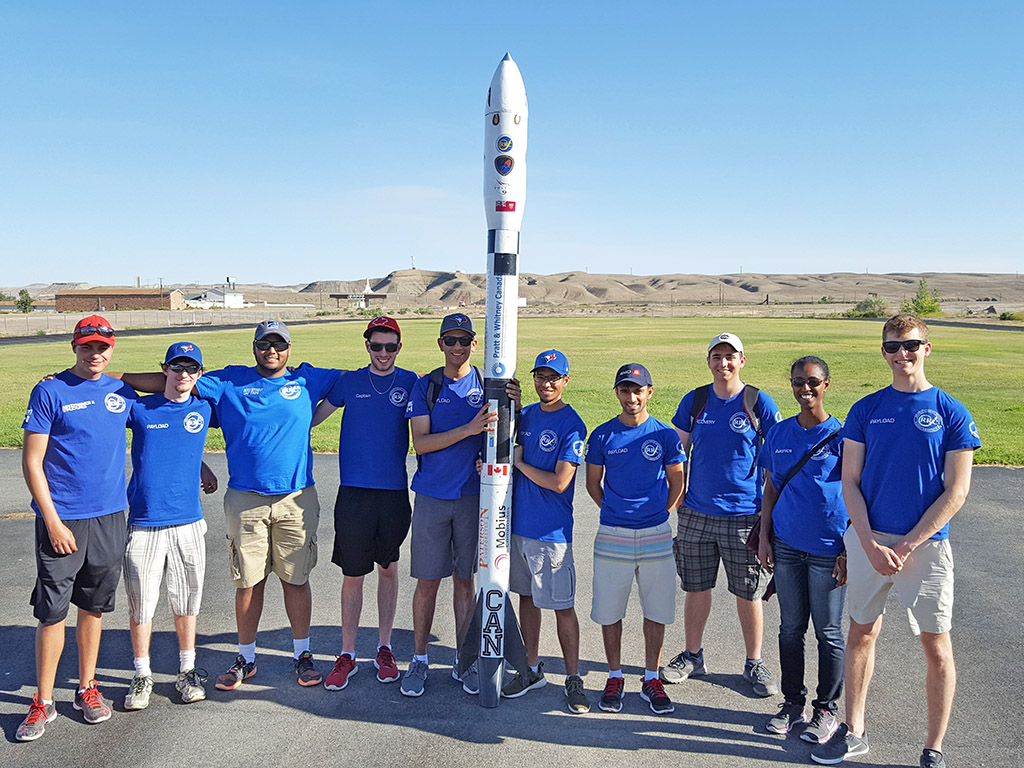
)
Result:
{"points": [[451, 341], [377, 346], [812, 383], [263, 345], [190, 368], [911, 345], [542, 379], [91, 330]]}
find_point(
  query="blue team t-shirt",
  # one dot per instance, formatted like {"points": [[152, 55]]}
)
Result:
{"points": [[547, 437], [906, 436], [723, 480], [167, 453], [449, 473], [266, 424], [810, 514], [634, 460], [374, 440], [84, 461]]}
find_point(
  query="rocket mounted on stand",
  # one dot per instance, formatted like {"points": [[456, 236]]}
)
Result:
{"points": [[492, 636]]}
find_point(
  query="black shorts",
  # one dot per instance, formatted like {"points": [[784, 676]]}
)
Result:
{"points": [[87, 577], [370, 525]]}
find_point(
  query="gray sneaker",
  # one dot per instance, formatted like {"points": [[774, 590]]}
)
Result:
{"points": [[415, 679], [790, 714], [470, 679], [34, 724], [190, 685], [520, 684], [842, 745], [92, 705], [821, 727], [576, 700], [138, 692], [760, 678], [683, 666]]}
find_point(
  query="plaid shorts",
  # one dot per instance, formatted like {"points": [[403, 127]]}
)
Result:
{"points": [[702, 540]]}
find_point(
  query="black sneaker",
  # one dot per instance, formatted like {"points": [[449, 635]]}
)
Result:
{"points": [[790, 714], [611, 699], [842, 745], [684, 666], [576, 700], [653, 692], [237, 672], [305, 672], [932, 758]]}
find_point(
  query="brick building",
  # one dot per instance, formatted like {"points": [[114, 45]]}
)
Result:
{"points": [[109, 299]]}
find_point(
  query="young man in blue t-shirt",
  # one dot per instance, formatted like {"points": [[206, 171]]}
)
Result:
{"points": [[446, 435], [166, 530], [723, 499], [907, 460], [550, 441], [635, 476], [73, 461], [372, 512]]}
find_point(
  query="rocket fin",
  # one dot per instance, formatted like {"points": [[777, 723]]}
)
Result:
{"points": [[515, 651], [469, 642]]}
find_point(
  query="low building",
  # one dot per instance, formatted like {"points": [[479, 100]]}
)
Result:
{"points": [[216, 298], [109, 299]]}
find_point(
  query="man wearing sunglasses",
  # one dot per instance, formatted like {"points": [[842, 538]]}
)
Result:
{"points": [[907, 462], [265, 413], [166, 530], [446, 435], [372, 512], [73, 461]]}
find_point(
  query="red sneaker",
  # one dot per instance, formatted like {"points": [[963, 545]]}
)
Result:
{"points": [[338, 677], [387, 669]]}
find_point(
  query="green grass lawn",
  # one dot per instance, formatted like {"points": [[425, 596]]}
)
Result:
{"points": [[984, 369]]}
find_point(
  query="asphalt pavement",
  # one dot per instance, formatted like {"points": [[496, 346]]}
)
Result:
{"points": [[717, 722]]}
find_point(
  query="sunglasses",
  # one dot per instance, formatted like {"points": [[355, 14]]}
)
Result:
{"points": [[812, 383], [91, 330], [377, 346], [542, 379], [911, 345], [191, 368], [263, 345], [451, 341]]}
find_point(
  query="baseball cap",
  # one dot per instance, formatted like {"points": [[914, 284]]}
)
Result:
{"points": [[184, 349], [554, 360], [382, 324], [93, 328], [457, 322], [726, 338], [633, 373], [273, 328]]}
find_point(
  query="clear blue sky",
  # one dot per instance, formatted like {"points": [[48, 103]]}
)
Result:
{"points": [[288, 142]]}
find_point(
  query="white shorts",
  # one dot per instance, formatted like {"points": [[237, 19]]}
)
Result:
{"points": [[622, 554], [177, 551], [543, 571]]}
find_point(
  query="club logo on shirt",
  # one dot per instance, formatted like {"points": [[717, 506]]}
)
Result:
{"points": [[547, 441], [114, 403], [28, 415], [398, 397], [291, 391], [739, 423], [408, 408], [475, 397], [193, 422], [822, 453], [973, 427], [651, 450], [928, 420], [577, 448]]}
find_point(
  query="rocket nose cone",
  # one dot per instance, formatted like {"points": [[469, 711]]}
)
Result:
{"points": [[508, 92], [508, 56]]}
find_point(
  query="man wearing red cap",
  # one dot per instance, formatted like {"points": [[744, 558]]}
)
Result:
{"points": [[74, 465]]}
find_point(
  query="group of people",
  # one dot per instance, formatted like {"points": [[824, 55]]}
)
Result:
{"points": [[822, 513]]}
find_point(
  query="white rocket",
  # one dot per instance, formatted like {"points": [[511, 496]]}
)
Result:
{"points": [[492, 637]]}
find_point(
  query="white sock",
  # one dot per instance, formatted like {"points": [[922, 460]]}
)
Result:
{"points": [[419, 657], [186, 660], [142, 668], [386, 645], [300, 646], [247, 651], [614, 673], [648, 675], [46, 702]]}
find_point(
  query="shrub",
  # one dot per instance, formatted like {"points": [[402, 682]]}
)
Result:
{"points": [[872, 306], [924, 303]]}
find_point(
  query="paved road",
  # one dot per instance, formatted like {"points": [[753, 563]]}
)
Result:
{"points": [[716, 723]]}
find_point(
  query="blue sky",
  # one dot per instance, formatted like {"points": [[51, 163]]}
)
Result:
{"points": [[292, 142]]}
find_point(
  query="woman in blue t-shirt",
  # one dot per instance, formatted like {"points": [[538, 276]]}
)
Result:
{"points": [[802, 523]]}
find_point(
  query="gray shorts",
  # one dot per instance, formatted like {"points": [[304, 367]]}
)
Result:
{"points": [[445, 535], [544, 571], [704, 540]]}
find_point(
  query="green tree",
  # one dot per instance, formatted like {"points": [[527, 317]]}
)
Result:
{"points": [[872, 306], [24, 301], [924, 303]]}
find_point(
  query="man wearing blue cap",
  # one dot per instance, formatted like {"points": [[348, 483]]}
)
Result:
{"points": [[166, 530], [549, 449]]}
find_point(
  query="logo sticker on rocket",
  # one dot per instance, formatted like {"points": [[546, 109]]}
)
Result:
{"points": [[503, 164], [501, 187], [505, 206], [503, 144]]}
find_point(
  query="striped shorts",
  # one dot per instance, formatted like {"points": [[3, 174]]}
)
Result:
{"points": [[177, 551], [624, 554]]}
